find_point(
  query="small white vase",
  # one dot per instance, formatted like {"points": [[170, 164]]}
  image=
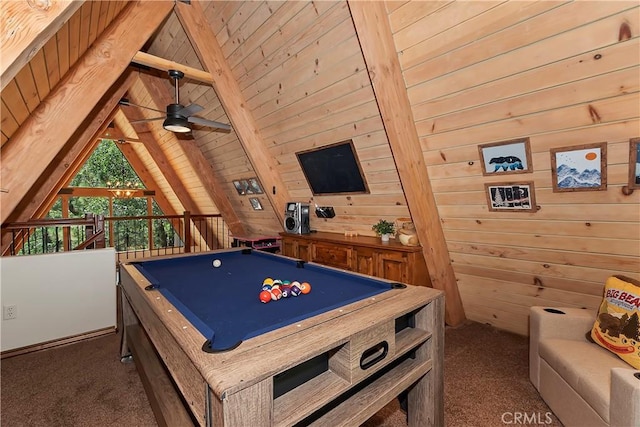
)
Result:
{"points": [[384, 237]]}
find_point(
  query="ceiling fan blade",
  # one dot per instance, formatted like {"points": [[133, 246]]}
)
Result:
{"points": [[127, 103], [190, 110], [209, 123], [133, 140], [122, 140], [146, 120]]}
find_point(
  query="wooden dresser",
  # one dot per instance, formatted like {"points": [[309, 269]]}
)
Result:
{"points": [[362, 254]]}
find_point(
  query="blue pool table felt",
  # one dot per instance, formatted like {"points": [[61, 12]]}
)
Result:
{"points": [[223, 303]]}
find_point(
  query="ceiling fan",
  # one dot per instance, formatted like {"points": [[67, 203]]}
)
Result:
{"points": [[178, 117]]}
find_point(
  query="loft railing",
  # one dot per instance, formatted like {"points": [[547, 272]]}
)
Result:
{"points": [[144, 236], [132, 237], [55, 235]]}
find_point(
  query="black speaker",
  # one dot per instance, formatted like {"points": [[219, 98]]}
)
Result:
{"points": [[296, 218]]}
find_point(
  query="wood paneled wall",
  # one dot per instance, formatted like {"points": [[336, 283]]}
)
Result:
{"points": [[560, 73], [302, 73]]}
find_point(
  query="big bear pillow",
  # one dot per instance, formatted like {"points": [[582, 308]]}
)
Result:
{"points": [[617, 327]]}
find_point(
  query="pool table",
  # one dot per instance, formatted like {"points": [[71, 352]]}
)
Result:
{"points": [[333, 356]]}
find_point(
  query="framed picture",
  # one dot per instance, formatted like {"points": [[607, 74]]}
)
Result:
{"points": [[506, 157], [241, 186], [255, 204], [253, 186], [511, 196], [579, 168], [634, 163]]}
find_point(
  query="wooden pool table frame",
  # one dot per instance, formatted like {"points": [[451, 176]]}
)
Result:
{"points": [[235, 388]]}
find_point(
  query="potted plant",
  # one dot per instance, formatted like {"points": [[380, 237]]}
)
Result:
{"points": [[384, 229]]}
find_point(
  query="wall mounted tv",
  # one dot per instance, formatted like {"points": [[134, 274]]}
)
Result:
{"points": [[333, 169]]}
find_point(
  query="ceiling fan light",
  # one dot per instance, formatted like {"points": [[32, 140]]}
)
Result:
{"points": [[176, 124], [174, 121]]}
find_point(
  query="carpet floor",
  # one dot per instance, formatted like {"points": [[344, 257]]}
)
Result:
{"points": [[85, 384]]}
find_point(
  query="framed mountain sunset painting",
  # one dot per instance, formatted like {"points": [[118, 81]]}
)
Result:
{"points": [[579, 168]]}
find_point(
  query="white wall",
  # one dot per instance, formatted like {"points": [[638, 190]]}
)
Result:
{"points": [[57, 295]]}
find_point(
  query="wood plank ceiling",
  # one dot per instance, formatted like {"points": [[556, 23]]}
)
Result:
{"points": [[24, 92], [293, 75]]}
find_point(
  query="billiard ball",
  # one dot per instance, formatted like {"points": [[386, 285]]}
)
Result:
{"points": [[295, 290], [286, 291], [267, 281], [266, 287], [265, 296], [217, 263], [276, 294], [305, 288]]}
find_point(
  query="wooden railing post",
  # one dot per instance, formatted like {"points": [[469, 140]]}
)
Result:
{"points": [[101, 241], [187, 231], [66, 231], [89, 230]]}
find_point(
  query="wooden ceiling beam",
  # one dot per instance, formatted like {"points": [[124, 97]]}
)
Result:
{"points": [[204, 42], [116, 134], [376, 40], [57, 118], [201, 167], [68, 161], [26, 27], [84, 144], [148, 60]]}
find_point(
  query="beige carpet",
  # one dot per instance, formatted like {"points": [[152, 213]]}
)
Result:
{"points": [[85, 384]]}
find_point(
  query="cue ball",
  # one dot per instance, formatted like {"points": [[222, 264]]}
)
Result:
{"points": [[217, 263]]}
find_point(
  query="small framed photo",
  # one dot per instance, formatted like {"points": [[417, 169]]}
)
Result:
{"points": [[255, 204], [241, 186], [506, 157], [253, 186], [511, 197], [634, 163], [579, 168]]}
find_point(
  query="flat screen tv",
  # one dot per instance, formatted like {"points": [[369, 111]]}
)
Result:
{"points": [[333, 169]]}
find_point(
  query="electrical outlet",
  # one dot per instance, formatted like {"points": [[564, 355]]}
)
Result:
{"points": [[9, 312]]}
